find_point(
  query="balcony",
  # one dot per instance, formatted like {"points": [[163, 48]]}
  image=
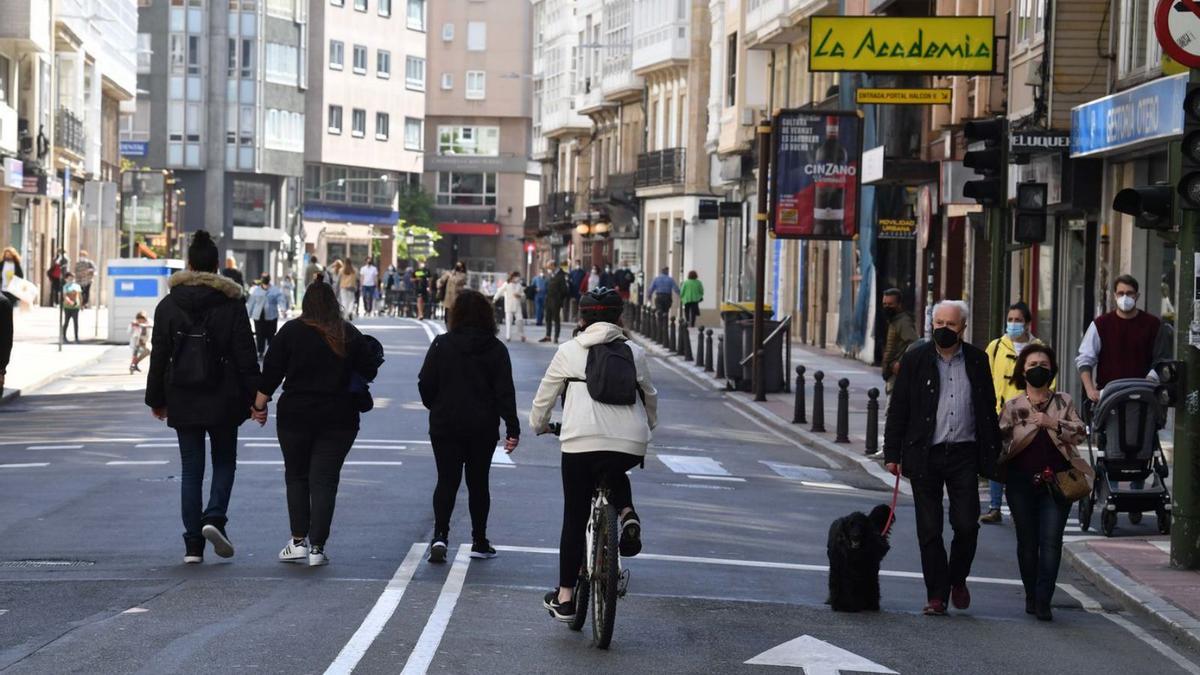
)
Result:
{"points": [[557, 209], [590, 99], [773, 23], [660, 46], [619, 190], [68, 132], [618, 81], [662, 167], [532, 227]]}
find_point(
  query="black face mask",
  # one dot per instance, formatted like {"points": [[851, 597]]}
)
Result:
{"points": [[945, 337], [1038, 376]]}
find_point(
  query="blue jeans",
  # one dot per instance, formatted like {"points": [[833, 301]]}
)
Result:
{"points": [[1040, 520], [224, 461], [539, 307], [996, 493]]}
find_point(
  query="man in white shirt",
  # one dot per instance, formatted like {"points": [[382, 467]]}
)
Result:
{"points": [[368, 276]]}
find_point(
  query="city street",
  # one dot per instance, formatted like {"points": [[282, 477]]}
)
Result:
{"points": [[735, 511]]}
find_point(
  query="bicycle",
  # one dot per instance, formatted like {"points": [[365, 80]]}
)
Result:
{"points": [[602, 578]]}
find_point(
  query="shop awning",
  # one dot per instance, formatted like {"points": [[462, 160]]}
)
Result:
{"points": [[477, 229], [350, 214]]}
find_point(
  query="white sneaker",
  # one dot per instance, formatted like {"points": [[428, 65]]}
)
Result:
{"points": [[294, 552], [193, 559], [317, 556]]}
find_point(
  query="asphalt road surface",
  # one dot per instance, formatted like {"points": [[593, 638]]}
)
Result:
{"points": [[732, 578]]}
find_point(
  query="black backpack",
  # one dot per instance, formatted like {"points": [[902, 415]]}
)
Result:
{"points": [[612, 374], [194, 362]]}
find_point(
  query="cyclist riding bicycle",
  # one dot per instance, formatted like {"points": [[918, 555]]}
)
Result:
{"points": [[599, 439]]}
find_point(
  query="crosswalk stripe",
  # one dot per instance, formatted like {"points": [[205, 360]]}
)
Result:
{"points": [[730, 479], [26, 465], [54, 447], [693, 465], [156, 445], [829, 486], [499, 456], [146, 462]]}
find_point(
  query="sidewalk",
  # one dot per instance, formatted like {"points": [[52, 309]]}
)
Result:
{"points": [[36, 359], [1137, 571]]}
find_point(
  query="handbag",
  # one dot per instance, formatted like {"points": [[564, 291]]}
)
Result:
{"points": [[1071, 485]]}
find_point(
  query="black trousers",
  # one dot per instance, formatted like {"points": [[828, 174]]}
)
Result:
{"points": [[87, 294], [264, 332], [953, 469], [580, 473], [312, 469], [662, 302], [453, 456], [69, 316], [691, 310], [553, 321]]}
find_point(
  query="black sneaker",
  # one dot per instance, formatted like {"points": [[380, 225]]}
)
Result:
{"points": [[482, 549], [193, 552], [561, 611], [437, 551], [631, 535], [216, 536]]}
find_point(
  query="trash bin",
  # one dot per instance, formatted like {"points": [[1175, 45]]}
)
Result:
{"points": [[732, 314], [135, 285], [773, 361]]}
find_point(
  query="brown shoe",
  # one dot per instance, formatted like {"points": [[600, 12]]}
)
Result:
{"points": [[992, 516], [935, 607], [960, 597]]}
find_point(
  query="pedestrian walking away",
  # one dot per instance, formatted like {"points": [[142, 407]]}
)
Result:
{"points": [[1002, 360], [540, 284], [901, 332], [72, 302], [575, 281], [139, 337], [1040, 430], [232, 273], [691, 294], [450, 285], [942, 432], [203, 374], [55, 273], [513, 293], [600, 438], [369, 278], [466, 384], [558, 294], [85, 273], [323, 364], [348, 289], [265, 305], [662, 291], [312, 272]]}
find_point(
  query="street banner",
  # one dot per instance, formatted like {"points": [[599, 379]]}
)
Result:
{"points": [[883, 44], [815, 171], [902, 96]]}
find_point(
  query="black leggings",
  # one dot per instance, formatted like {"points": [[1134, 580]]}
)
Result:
{"points": [[312, 468], [452, 455], [580, 473], [264, 332]]}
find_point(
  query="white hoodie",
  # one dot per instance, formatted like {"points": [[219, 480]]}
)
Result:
{"points": [[514, 295], [588, 425]]}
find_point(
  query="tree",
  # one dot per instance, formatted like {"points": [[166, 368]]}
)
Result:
{"points": [[415, 205]]}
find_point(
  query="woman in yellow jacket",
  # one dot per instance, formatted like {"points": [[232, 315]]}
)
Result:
{"points": [[1002, 356]]}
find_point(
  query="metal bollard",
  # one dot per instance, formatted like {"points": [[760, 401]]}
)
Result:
{"points": [[708, 351], [818, 414], [700, 346], [872, 421], [662, 330], [843, 412], [720, 375], [672, 342], [799, 415], [685, 342]]}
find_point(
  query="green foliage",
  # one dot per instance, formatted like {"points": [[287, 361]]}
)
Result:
{"points": [[415, 205]]}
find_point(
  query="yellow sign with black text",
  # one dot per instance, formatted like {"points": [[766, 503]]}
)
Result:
{"points": [[941, 44], [903, 96]]}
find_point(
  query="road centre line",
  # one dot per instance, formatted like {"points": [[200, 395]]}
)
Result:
{"points": [[1092, 607], [157, 445], [27, 465], [54, 447], [141, 462], [380, 614], [791, 441], [427, 645], [730, 479]]}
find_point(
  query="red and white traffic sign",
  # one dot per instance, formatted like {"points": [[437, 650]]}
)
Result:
{"points": [[1177, 26]]}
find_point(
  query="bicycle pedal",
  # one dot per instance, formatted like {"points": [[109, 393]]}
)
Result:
{"points": [[623, 583]]}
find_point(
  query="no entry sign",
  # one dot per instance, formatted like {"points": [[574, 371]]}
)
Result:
{"points": [[1177, 26]]}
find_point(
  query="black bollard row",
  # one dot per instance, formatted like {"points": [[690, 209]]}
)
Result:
{"points": [[700, 347], [843, 412], [798, 413], [685, 342], [708, 351], [672, 344], [818, 413], [872, 421], [708, 357]]}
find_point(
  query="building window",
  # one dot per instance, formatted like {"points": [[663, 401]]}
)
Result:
{"points": [[335, 119], [283, 64], [337, 54], [312, 182], [250, 203], [476, 85], [144, 53], [360, 5], [416, 14], [1138, 48], [1031, 20], [476, 36], [480, 141], [414, 133], [193, 55], [466, 189], [414, 73], [731, 63], [360, 187], [385, 7], [284, 9], [358, 123], [447, 32], [447, 81], [284, 130], [338, 3], [382, 125], [176, 53], [383, 64], [360, 60]]}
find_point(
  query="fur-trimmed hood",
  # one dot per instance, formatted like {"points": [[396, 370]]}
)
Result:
{"points": [[216, 281], [201, 291]]}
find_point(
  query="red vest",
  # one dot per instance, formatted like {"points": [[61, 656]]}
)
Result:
{"points": [[1126, 346]]}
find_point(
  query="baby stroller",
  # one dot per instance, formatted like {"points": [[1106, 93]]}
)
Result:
{"points": [[1123, 447]]}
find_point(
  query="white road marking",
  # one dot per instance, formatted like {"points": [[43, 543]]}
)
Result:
{"points": [[692, 464], [1093, 607], [428, 326], [358, 446], [377, 618], [372, 463], [697, 486], [827, 486], [140, 462], [3, 612], [791, 441], [501, 457], [816, 657], [136, 610], [54, 447], [730, 479], [157, 445], [262, 445], [27, 465], [265, 462], [426, 647], [798, 472]]}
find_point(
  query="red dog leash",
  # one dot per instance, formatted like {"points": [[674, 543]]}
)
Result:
{"points": [[892, 514]]}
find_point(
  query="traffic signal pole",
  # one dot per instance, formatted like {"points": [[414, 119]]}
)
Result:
{"points": [[760, 260]]}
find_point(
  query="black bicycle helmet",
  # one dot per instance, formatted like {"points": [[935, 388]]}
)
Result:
{"points": [[601, 304]]}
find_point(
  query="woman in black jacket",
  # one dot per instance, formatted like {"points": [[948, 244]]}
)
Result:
{"points": [[466, 383], [314, 358], [202, 320]]}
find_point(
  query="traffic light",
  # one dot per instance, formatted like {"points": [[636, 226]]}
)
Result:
{"points": [[1189, 180], [1169, 391], [1150, 205], [990, 161], [1029, 226]]}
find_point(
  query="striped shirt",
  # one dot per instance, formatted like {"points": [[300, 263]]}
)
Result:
{"points": [[955, 416]]}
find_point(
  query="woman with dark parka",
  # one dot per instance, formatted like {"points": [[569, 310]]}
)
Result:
{"points": [[466, 383], [203, 307], [315, 357]]}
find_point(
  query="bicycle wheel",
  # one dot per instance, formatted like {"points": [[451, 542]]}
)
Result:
{"points": [[581, 601], [604, 577]]}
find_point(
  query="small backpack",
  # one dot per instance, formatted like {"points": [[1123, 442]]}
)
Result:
{"points": [[612, 374], [194, 363]]}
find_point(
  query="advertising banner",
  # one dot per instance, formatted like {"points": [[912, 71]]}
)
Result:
{"points": [[142, 201], [881, 44], [815, 171]]}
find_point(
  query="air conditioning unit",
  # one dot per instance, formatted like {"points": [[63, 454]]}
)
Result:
{"points": [[752, 115]]}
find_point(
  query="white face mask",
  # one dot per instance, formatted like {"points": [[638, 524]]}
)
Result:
{"points": [[1126, 302]]}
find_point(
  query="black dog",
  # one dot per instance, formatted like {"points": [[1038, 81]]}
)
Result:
{"points": [[856, 547]]}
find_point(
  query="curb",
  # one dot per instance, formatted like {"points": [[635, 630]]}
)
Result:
{"points": [[11, 395], [1134, 596]]}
